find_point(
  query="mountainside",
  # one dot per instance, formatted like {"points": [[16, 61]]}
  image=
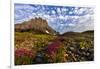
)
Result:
{"points": [[78, 33], [70, 33], [89, 31], [37, 25]]}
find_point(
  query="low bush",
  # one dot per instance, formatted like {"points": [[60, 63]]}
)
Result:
{"points": [[24, 56]]}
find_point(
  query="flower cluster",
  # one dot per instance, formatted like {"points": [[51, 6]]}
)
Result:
{"points": [[24, 52], [55, 52], [24, 56], [52, 48]]}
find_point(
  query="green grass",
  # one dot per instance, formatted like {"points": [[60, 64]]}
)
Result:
{"points": [[76, 46]]}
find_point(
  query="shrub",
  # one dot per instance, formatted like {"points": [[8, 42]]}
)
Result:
{"points": [[54, 52], [24, 56]]}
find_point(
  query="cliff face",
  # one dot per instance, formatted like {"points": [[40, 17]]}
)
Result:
{"points": [[37, 25]]}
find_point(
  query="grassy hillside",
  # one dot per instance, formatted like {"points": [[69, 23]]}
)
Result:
{"points": [[44, 48]]}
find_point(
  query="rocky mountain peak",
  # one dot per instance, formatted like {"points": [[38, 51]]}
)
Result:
{"points": [[36, 25]]}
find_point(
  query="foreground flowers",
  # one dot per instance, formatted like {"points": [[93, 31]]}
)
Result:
{"points": [[55, 52], [24, 56]]}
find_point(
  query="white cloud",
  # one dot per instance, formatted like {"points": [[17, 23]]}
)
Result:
{"points": [[71, 24], [53, 12], [58, 10], [70, 12], [61, 17]]}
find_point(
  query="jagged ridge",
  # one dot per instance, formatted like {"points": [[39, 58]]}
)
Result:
{"points": [[37, 25]]}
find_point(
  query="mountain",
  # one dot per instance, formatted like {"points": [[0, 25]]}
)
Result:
{"points": [[89, 31], [37, 25], [71, 33]]}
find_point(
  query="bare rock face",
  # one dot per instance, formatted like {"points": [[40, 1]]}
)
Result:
{"points": [[37, 25]]}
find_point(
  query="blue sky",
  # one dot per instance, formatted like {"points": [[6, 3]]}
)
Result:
{"points": [[60, 18]]}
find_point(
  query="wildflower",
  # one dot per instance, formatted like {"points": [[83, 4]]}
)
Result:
{"points": [[24, 56]]}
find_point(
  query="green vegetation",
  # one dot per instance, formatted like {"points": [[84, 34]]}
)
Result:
{"points": [[44, 48]]}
